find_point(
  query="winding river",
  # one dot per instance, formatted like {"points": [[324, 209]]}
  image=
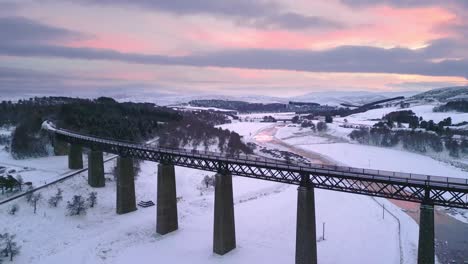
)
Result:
{"points": [[451, 235]]}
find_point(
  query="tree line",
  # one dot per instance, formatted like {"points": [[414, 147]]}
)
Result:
{"points": [[197, 131], [104, 117], [423, 136], [460, 106]]}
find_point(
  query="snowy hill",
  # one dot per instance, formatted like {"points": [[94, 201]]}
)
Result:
{"points": [[444, 94], [167, 98], [349, 97]]}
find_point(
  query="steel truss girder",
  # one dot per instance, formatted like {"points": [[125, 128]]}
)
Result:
{"points": [[449, 195]]}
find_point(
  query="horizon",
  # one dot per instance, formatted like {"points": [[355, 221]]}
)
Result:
{"points": [[231, 48], [152, 96]]}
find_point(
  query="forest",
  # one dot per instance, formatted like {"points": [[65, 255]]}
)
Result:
{"points": [[460, 106], [107, 118], [239, 105], [423, 136]]}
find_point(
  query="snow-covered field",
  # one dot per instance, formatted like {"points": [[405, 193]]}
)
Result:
{"points": [[424, 110], [265, 223], [191, 108], [38, 170], [253, 116], [296, 135], [246, 129], [370, 157], [335, 145], [265, 214], [337, 132]]}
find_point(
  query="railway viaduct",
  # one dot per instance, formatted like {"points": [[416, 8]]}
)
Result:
{"points": [[426, 190]]}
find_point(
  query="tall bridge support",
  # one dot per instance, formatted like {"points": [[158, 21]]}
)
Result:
{"points": [[96, 169], [426, 234], [75, 157], [166, 220], [306, 243], [224, 235], [125, 186]]}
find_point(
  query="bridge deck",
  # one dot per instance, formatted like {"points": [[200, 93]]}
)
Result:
{"points": [[445, 191]]}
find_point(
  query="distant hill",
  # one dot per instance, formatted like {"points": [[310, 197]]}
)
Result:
{"points": [[444, 94], [239, 105], [337, 98]]}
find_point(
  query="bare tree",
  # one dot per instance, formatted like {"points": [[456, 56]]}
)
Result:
{"points": [[92, 199], [54, 200], [29, 194], [34, 199], [11, 248], [208, 181]]}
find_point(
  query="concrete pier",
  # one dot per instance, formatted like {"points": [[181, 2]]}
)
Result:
{"points": [[96, 169], [224, 236], [75, 157], [426, 234], [306, 243], [166, 219], [125, 186]]}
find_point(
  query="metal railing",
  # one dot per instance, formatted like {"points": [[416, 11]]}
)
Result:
{"points": [[446, 191]]}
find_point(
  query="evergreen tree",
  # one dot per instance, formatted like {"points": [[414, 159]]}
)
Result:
{"points": [[321, 126], [464, 146], [453, 147], [76, 206], [13, 209]]}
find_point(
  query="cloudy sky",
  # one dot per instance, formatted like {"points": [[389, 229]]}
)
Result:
{"points": [[232, 47]]}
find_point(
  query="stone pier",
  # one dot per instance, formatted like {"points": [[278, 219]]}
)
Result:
{"points": [[125, 186], [75, 157], [224, 236], [96, 169], [306, 243], [426, 234], [166, 219]]}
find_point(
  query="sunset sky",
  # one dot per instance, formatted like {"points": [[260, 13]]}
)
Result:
{"points": [[232, 47]]}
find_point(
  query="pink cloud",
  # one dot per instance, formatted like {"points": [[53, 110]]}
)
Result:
{"points": [[409, 27], [120, 43]]}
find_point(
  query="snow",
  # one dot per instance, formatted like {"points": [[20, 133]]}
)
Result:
{"points": [[424, 110], [265, 214], [335, 145], [352, 97], [277, 115], [246, 129], [47, 125], [265, 234], [370, 157], [265, 226], [190, 107], [6, 131], [36, 170], [296, 135]]}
